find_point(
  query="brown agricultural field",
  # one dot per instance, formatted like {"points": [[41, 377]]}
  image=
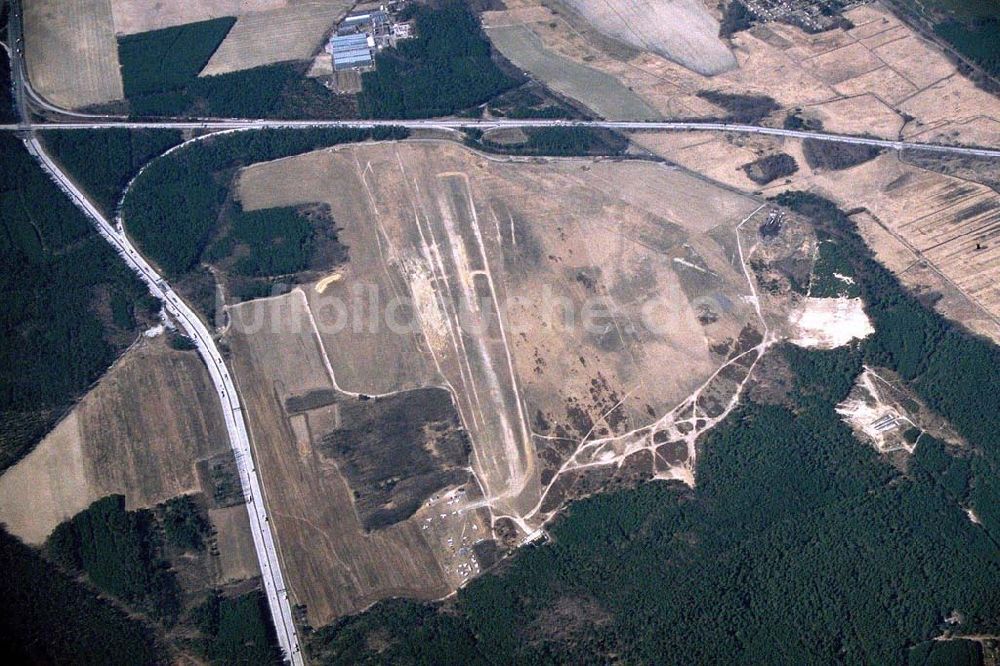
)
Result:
{"points": [[575, 312], [139, 432], [862, 80], [71, 52], [294, 32]]}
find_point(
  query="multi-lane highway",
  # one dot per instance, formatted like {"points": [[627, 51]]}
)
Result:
{"points": [[239, 440], [264, 544], [458, 124]]}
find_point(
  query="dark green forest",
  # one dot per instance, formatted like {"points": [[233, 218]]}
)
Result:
{"points": [[7, 114], [836, 156], [770, 167], [173, 210], [102, 161], [971, 27], [554, 141], [160, 74], [47, 617], [278, 240], [120, 553], [236, 630], [954, 372], [167, 59], [272, 91], [185, 524], [446, 68], [977, 39], [58, 326], [750, 109], [799, 545]]}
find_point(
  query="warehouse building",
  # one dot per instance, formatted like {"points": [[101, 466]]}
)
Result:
{"points": [[351, 51]]}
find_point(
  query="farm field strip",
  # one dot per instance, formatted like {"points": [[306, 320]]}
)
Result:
{"points": [[70, 51]]}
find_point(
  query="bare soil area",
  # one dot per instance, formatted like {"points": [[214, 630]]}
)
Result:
{"points": [[71, 52]]}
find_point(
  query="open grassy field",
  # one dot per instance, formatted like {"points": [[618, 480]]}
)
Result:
{"points": [[334, 566], [70, 51], [487, 253], [294, 32], [139, 432]]}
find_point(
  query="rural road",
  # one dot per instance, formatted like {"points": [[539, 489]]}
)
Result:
{"points": [[459, 124]]}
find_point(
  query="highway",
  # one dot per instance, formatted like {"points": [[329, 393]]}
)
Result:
{"points": [[267, 555], [459, 124], [239, 440]]}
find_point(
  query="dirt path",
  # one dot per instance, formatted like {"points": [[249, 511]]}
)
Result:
{"points": [[682, 423]]}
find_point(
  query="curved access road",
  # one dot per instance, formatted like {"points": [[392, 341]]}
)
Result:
{"points": [[460, 124], [267, 555]]}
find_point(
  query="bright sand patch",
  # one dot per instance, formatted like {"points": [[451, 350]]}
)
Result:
{"points": [[826, 323]]}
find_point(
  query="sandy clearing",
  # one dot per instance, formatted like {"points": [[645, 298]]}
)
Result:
{"points": [[827, 323], [71, 52]]}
